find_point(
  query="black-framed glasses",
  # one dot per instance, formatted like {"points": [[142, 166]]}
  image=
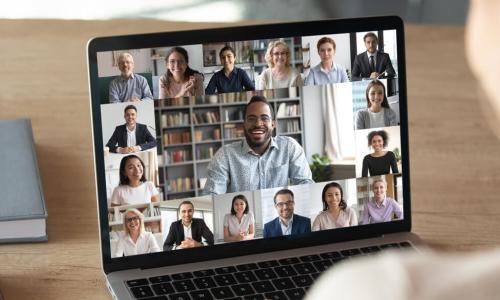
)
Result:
{"points": [[132, 219], [254, 119], [289, 203]]}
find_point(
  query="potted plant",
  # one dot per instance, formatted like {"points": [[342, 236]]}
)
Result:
{"points": [[321, 168]]}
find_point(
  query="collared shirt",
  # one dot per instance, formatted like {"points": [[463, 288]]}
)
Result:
{"points": [[146, 243], [318, 75], [383, 212], [121, 90], [374, 54], [236, 167], [187, 231], [235, 226], [131, 137], [237, 81], [286, 230]]}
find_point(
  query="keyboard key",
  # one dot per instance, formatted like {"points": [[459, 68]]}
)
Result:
{"points": [[279, 295], [370, 249], [222, 292], [201, 295], [297, 293], [204, 273], [264, 274], [137, 282], [302, 280], [389, 246], [263, 286], [322, 265], [285, 271], [204, 283], [289, 261], [179, 296], [182, 276], [226, 279], [254, 297], [225, 270], [310, 258], [183, 285], [331, 255], [315, 275], [245, 277], [159, 279], [164, 288], [243, 289], [350, 252], [142, 291], [304, 268], [283, 283], [247, 267], [268, 264]]}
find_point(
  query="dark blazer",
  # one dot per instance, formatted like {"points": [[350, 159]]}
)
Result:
{"points": [[198, 230], [361, 66], [143, 138], [300, 225]]}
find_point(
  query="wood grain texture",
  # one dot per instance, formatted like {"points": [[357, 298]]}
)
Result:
{"points": [[453, 163]]}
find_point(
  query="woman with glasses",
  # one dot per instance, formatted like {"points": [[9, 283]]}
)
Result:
{"points": [[335, 212], [279, 74], [180, 80], [135, 240], [133, 187]]}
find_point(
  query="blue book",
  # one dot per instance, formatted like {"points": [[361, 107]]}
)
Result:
{"points": [[22, 206]]}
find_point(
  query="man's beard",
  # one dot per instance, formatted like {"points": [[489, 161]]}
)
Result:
{"points": [[254, 144]]}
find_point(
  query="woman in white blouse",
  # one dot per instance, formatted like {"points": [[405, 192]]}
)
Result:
{"points": [[135, 240], [239, 225], [279, 74], [133, 187], [335, 212]]}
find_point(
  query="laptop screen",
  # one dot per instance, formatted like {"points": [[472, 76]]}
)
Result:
{"points": [[248, 141]]}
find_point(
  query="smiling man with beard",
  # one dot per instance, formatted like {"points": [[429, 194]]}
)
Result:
{"points": [[260, 161]]}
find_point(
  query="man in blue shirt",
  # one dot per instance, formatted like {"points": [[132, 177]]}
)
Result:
{"points": [[287, 222], [230, 78], [260, 161], [128, 86]]}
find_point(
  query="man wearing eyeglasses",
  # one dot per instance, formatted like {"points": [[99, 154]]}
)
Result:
{"points": [[128, 86], [287, 223], [260, 161]]}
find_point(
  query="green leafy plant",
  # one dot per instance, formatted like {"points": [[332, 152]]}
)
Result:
{"points": [[321, 168], [397, 154]]}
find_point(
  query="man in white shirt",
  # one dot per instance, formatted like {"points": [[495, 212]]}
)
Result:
{"points": [[188, 232], [131, 137]]}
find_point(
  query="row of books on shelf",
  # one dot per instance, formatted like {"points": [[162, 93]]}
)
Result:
{"points": [[206, 117], [236, 115], [179, 185], [200, 136], [177, 156], [117, 215], [288, 110], [289, 126], [206, 152], [173, 138], [175, 119], [234, 131]]}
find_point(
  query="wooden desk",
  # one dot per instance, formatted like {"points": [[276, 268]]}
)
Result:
{"points": [[43, 76]]}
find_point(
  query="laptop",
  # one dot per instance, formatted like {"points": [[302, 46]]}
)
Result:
{"points": [[243, 162]]}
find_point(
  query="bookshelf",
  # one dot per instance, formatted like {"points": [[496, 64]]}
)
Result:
{"points": [[151, 212], [192, 129]]}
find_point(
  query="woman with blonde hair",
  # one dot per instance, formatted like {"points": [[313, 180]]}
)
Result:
{"points": [[279, 74], [136, 240]]}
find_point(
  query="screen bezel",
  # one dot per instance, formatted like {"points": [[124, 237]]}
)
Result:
{"points": [[267, 31]]}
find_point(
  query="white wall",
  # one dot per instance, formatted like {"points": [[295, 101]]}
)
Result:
{"points": [[362, 148], [314, 132], [142, 62], [342, 53]]}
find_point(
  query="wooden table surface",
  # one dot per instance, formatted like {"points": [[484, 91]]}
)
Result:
{"points": [[43, 76]]}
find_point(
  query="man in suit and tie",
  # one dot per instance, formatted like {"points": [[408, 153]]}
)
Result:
{"points": [[287, 223], [188, 231], [372, 63], [131, 137]]}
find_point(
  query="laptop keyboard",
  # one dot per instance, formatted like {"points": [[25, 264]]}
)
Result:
{"points": [[286, 278]]}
